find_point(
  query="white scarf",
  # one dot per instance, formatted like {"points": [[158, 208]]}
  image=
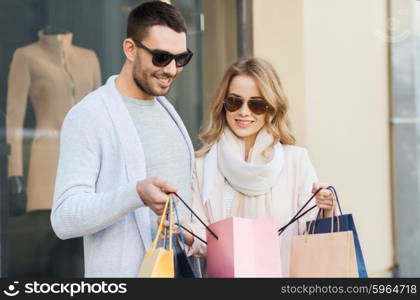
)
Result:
{"points": [[252, 180]]}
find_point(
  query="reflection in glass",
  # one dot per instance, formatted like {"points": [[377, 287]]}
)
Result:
{"points": [[54, 74]]}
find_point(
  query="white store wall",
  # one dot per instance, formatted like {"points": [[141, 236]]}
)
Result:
{"points": [[332, 57]]}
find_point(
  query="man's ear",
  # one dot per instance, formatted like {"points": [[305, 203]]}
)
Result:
{"points": [[129, 49]]}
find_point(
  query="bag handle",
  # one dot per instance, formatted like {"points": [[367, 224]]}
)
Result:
{"points": [[335, 200], [297, 216], [186, 229], [332, 189], [170, 225], [181, 235], [165, 232], [169, 216], [201, 221], [192, 233], [159, 231]]}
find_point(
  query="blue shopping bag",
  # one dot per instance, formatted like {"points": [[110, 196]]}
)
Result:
{"points": [[340, 223], [182, 264]]}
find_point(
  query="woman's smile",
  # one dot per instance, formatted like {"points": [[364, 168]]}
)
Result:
{"points": [[243, 123]]}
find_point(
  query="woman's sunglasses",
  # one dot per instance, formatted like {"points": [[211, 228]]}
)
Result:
{"points": [[258, 107], [162, 58]]}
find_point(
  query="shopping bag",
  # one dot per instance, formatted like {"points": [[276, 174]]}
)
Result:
{"points": [[330, 254], [159, 263], [323, 255], [244, 248], [240, 247], [182, 264], [346, 223]]}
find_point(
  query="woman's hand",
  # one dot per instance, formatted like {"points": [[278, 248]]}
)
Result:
{"points": [[188, 237], [324, 199]]}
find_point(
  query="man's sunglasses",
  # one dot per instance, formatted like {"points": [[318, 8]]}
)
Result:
{"points": [[162, 58], [258, 107]]}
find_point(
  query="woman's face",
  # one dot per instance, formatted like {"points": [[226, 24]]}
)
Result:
{"points": [[243, 122]]}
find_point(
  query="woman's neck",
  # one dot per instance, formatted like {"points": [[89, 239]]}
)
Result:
{"points": [[249, 143]]}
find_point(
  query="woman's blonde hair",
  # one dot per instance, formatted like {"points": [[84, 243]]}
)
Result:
{"points": [[277, 120]]}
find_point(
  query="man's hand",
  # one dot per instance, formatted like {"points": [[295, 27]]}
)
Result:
{"points": [[153, 191]]}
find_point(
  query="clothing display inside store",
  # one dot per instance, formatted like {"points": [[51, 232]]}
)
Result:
{"points": [[53, 74]]}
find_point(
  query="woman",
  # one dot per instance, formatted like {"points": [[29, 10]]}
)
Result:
{"points": [[248, 166]]}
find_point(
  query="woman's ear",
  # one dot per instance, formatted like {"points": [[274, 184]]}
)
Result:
{"points": [[269, 118], [129, 49]]}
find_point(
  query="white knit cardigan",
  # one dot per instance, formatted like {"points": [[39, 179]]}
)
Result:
{"points": [[101, 159]]}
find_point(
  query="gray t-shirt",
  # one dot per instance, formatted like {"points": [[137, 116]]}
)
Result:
{"points": [[165, 149]]}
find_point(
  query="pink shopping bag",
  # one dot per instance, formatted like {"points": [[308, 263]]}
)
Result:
{"points": [[244, 248]]}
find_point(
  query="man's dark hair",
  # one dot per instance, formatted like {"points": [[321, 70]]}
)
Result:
{"points": [[154, 13]]}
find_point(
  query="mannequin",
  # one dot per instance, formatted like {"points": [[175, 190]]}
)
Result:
{"points": [[55, 75], [52, 30]]}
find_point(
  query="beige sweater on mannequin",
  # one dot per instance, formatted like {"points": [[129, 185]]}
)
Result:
{"points": [[54, 75]]}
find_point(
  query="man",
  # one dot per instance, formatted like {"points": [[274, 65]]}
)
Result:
{"points": [[124, 147]]}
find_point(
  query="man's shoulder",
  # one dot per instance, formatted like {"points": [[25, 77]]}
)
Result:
{"points": [[91, 106]]}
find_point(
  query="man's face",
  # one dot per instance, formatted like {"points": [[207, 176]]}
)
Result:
{"points": [[150, 79]]}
